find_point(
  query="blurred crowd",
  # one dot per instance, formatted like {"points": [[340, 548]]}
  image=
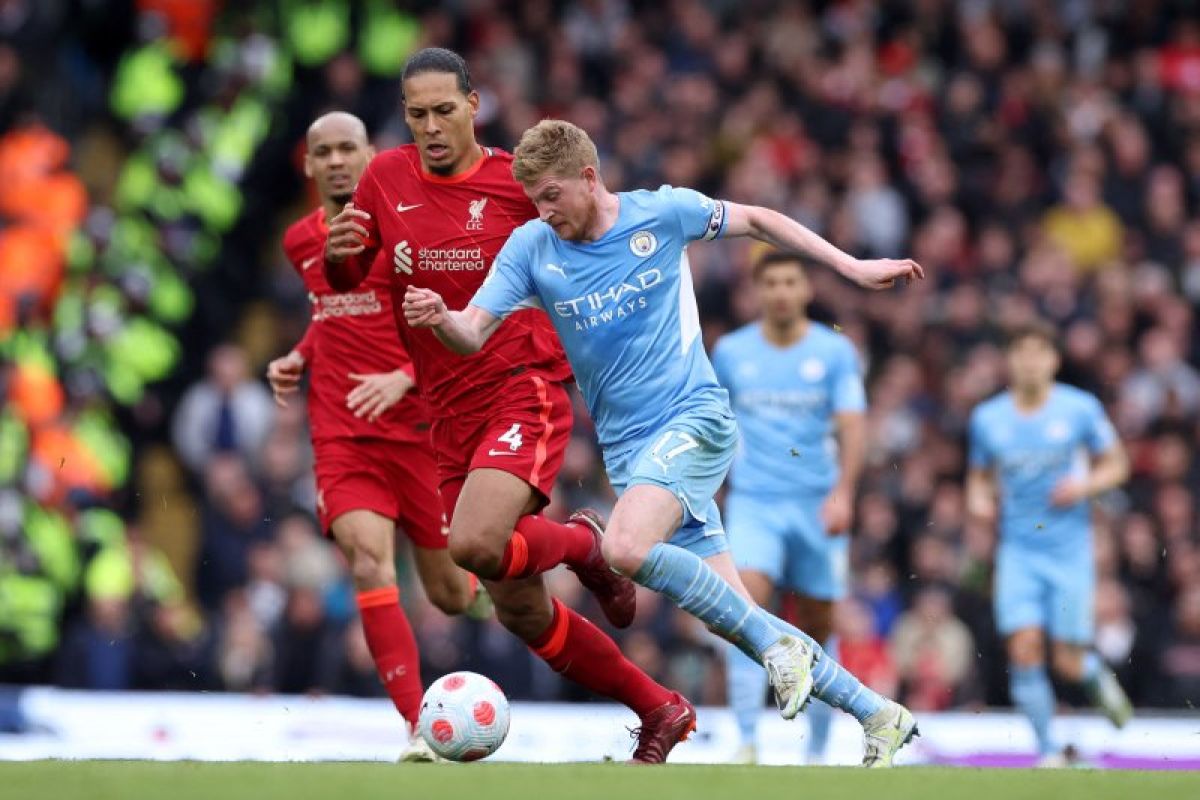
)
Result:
{"points": [[1037, 158]]}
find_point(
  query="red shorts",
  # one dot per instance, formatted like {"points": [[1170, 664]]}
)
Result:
{"points": [[395, 479], [524, 433]]}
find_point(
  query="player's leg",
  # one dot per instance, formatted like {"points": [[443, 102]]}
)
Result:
{"points": [[495, 531], [1071, 627], [581, 652], [367, 538], [495, 534], [758, 550], [1021, 618], [887, 725], [635, 544], [817, 573], [413, 477]]}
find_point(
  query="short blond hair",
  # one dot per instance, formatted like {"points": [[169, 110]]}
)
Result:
{"points": [[553, 146]]}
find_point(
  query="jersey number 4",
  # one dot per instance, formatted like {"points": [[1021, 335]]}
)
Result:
{"points": [[512, 437]]}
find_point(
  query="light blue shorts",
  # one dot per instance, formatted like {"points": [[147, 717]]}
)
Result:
{"points": [[1040, 590], [784, 538], [688, 457]]}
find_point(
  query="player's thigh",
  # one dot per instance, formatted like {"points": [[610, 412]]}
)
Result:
{"points": [[643, 516], [523, 606], [1019, 598], [817, 564], [489, 505], [757, 538], [367, 540]]}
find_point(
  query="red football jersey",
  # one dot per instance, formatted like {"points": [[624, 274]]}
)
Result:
{"points": [[350, 332], [442, 234]]}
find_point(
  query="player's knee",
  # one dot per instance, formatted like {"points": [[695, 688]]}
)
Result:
{"points": [[1026, 651], [623, 552], [369, 571], [477, 550]]}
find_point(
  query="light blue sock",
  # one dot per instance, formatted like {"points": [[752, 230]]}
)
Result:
{"points": [[820, 716], [1032, 694], [699, 590], [833, 683], [747, 686]]}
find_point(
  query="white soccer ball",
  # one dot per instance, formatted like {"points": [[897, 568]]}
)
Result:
{"points": [[464, 716]]}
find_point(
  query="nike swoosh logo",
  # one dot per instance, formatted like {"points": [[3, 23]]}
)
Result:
{"points": [[308, 262], [402, 208], [500, 453]]}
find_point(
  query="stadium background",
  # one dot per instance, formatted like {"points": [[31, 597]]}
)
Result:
{"points": [[1037, 158]]}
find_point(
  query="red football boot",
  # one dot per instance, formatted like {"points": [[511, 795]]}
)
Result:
{"points": [[614, 592], [662, 729]]}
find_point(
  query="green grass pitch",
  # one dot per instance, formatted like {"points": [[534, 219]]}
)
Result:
{"points": [[119, 780]]}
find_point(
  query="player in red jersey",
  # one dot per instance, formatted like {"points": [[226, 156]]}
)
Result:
{"points": [[439, 210], [370, 429]]}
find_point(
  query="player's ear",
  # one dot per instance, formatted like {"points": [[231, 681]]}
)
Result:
{"points": [[308, 171], [370, 151], [473, 103]]}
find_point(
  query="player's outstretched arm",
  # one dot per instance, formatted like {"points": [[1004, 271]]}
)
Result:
{"points": [[785, 233], [348, 254], [464, 332]]}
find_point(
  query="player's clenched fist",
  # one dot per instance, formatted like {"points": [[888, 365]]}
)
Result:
{"points": [[423, 308], [882, 273], [346, 236], [284, 376]]}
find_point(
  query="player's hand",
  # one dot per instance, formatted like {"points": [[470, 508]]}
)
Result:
{"points": [[1068, 492], [284, 376], [346, 235], [377, 393], [837, 512], [424, 308], [883, 273]]}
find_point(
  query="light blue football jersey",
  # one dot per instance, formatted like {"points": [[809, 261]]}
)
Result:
{"points": [[623, 307], [786, 400], [1030, 453]]}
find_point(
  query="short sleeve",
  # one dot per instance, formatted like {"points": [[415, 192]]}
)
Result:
{"points": [[699, 216], [849, 394], [978, 454], [1099, 434], [509, 285]]}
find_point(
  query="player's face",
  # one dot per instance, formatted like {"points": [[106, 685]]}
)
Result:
{"points": [[338, 152], [783, 292], [442, 120], [566, 204], [1032, 363]]}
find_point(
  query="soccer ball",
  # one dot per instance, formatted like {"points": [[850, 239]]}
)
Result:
{"points": [[464, 716]]}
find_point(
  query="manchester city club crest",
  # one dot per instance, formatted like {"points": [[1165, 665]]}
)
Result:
{"points": [[643, 243]]}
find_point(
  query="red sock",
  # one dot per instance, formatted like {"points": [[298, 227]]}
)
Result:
{"points": [[393, 647], [539, 544], [577, 649]]}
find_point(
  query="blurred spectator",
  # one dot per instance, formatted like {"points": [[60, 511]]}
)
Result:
{"points": [[934, 652], [228, 412]]}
